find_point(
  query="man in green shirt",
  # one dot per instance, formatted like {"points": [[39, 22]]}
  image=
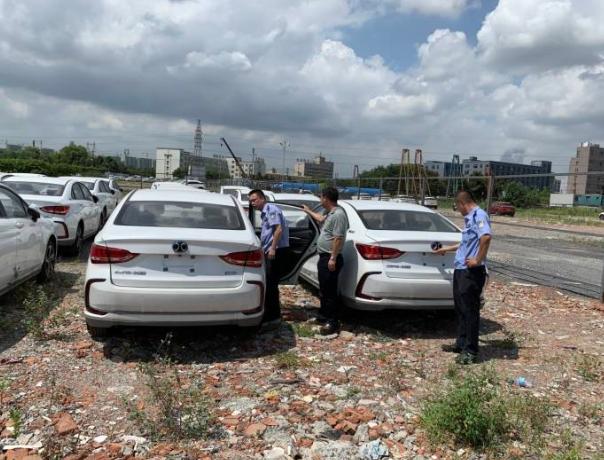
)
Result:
{"points": [[329, 245]]}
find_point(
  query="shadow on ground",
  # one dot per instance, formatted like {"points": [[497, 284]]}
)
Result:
{"points": [[191, 345]]}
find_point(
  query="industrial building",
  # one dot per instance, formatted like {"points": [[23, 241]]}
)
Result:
{"points": [[257, 167], [590, 158], [168, 160], [318, 168]]}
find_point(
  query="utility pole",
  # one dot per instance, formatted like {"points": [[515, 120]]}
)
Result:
{"points": [[355, 174], [283, 144], [419, 169]]}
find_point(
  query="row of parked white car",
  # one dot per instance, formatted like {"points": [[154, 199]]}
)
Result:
{"points": [[39, 214], [177, 255]]}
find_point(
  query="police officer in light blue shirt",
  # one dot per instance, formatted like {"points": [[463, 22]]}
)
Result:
{"points": [[469, 276], [274, 237]]}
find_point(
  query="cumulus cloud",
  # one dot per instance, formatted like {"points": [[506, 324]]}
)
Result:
{"points": [[140, 73], [449, 8], [537, 35]]}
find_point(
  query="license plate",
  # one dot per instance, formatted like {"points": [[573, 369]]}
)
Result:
{"points": [[179, 264]]}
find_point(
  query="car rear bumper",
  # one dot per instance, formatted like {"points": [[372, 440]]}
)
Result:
{"points": [[380, 292], [109, 305]]}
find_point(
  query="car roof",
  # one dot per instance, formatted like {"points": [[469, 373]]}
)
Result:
{"points": [[235, 187], [371, 205], [296, 196], [39, 179], [184, 195], [87, 179]]}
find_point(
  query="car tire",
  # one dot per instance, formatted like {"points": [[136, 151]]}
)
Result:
{"points": [[48, 266], [97, 333], [75, 249], [102, 220]]}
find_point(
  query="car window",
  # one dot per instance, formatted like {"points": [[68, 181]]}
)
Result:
{"points": [[36, 188], [86, 193], [76, 192], [180, 214], [104, 187], [399, 220], [232, 192], [88, 185], [12, 206]]}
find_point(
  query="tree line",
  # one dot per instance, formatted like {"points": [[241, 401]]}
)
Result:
{"points": [[70, 160]]}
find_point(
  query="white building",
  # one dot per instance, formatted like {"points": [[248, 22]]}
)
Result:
{"points": [[250, 168], [168, 160]]}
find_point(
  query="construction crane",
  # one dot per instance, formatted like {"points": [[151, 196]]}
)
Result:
{"points": [[243, 175]]}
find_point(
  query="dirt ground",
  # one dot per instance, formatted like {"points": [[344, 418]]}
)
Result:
{"points": [[289, 394]]}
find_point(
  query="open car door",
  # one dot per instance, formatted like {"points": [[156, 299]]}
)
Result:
{"points": [[303, 234]]}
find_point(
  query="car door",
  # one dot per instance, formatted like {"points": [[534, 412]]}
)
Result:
{"points": [[8, 244], [303, 234], [29, 235], [108, 197], [91, 210]]}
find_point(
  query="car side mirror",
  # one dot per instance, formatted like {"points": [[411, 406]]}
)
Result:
{"points": [[95, 198], [35, 215], [113, 192]]}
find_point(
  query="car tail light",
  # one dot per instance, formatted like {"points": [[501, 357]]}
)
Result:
{"points": [[245, 258], [359, 290], [108, 255], [375, 252], [60, 210]]}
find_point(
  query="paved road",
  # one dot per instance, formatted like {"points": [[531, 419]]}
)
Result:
{"points": [[568, 261]]}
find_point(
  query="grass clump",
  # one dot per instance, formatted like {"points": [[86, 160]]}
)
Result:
{"points": [[475, 410], [287, 360], [303, 330], [589, 367], [174, 411]]}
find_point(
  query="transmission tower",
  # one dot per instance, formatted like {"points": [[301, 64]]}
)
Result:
{"points": [[197, 140]]}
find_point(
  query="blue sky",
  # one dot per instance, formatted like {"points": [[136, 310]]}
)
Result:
{"points": [[495, 76], [395, 37]]}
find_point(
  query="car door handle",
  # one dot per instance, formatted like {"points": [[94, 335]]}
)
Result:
{"points": [[19, 225]]}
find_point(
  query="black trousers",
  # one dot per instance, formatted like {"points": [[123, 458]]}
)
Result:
{"points": [[274, 272], [328, 287], [467, 287]]}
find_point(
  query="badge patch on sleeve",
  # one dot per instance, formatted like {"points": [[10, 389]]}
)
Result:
{"points": [[480, 223]]}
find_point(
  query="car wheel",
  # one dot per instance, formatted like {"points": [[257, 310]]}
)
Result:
{"points": [[50, 259], [98, 332], [602, 217], [76, 247]]}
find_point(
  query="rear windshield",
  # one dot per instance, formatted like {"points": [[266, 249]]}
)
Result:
{"points": [[407, 221], [36, 188], [179, 214]]}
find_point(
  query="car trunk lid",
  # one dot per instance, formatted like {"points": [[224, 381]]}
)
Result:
{"points": [[416, 259], [158, 264]]}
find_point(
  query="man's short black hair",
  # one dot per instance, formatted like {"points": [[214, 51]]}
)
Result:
{"points": [[258, 192], [331, 193], [465, 196]]}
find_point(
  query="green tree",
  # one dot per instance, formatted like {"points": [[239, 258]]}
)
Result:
{"points": [[178, 173]]}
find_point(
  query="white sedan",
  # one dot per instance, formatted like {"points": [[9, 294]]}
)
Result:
{"points": [[297, 199], [99, 187], [388, 259], [67, 202], [181, 257], [28, 244]]}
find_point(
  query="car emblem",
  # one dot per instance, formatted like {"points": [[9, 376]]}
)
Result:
{"points": [[436, 245], [180, 247]]}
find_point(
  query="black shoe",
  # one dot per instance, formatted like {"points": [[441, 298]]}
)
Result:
{"points": [[466, 358], [318, 320], [330, 328], [450, 348]]}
